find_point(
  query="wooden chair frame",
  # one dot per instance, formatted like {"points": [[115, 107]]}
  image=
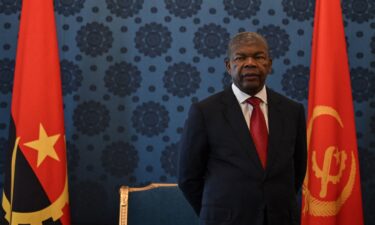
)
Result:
{"points": [[124, 198]]}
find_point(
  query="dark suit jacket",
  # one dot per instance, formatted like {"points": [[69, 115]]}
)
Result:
{"points": [[220, 173]]}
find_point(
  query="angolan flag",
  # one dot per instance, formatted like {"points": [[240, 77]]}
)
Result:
{"points": [[36, 181]]}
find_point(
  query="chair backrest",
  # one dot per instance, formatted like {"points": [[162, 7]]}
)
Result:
{"points": [[155, 204]]}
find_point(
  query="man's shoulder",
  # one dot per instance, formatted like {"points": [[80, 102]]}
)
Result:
{"points": [[215, 98], [277, 97], [213, 103]]}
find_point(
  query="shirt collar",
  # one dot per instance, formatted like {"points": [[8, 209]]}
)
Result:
{"points": [[242, 96]]}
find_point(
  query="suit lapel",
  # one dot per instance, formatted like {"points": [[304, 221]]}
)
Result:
{"points": [[234, 115], [276, 127]]}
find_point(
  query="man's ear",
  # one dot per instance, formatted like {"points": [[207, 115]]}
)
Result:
{"points": [[227, 64], [270, 66]]}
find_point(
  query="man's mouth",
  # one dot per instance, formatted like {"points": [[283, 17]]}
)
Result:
{"points": [[250, 76]]}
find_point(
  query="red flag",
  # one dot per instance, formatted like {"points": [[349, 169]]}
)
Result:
{"points": [[36, 183], [331, 190]]}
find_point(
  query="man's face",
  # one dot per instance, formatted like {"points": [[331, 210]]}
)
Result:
{"points": [[249, 66]]}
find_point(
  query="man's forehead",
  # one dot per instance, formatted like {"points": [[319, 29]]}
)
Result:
{"points": [[258, 47]]}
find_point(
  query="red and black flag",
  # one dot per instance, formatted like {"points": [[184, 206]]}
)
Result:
{"points": [[36, 181]]}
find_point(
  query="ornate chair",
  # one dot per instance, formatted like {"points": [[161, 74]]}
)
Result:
{"points": [[155, 204]]}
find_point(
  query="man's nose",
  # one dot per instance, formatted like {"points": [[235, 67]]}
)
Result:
{"points": [[250, 62]]}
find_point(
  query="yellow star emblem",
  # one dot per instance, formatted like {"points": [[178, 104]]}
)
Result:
{"points": [[44, 145]]}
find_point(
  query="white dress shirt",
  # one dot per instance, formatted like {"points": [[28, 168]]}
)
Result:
{"points": [[248, 108]]}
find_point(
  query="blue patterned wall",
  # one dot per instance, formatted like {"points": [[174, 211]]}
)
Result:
{"points": [[131, 69]]}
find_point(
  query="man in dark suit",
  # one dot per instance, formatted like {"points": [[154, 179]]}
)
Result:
{"points": [[242, 163]]}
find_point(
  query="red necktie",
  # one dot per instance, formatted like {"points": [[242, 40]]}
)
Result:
{"points": [[258, 129]]}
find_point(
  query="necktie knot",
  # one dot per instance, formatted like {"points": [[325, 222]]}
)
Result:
{"points": [[254, 101]]}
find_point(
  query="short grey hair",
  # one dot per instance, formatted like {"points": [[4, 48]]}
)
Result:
{"points": [[245, 38]]}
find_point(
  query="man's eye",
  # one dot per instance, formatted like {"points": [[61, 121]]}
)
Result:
{"points": [[260, 58], [239, 58]]}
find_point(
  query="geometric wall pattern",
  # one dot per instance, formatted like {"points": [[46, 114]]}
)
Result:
{"points": [[131, 69]]}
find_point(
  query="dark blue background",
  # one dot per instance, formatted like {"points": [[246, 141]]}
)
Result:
{"points": [[131, 69]]}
